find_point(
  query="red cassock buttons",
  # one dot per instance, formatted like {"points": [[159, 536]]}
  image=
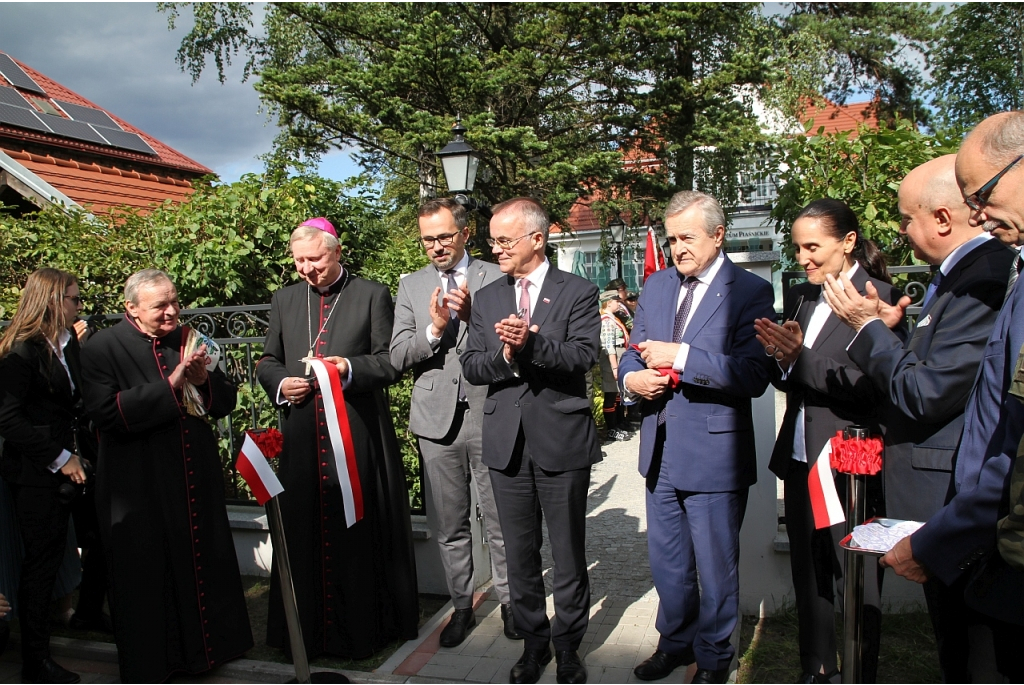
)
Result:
{"points": [[324, 477]]}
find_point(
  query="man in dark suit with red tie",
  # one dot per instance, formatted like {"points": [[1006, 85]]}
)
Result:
{"points": [[533, 336], [697, 366]]}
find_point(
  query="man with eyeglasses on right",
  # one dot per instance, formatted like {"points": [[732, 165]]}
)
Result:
{"points": [[958, 543]]}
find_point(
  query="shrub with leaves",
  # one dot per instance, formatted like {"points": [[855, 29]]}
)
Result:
{"points": [[862, 170]]}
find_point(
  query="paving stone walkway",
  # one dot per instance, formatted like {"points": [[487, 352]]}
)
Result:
{"points": [[623, 600], [621, 633]]}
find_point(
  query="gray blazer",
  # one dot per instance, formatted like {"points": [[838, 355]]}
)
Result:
{"points": [[436, 372]]}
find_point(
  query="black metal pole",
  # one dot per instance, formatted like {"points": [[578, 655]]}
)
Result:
{"points": [[291, 607], [618, 260], [853, 600]]}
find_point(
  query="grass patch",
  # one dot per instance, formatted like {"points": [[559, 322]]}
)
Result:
{"points": [[770, 651]]}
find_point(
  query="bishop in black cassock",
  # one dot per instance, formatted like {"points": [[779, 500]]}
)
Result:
{"points": [[355, 587], [176, 596]]}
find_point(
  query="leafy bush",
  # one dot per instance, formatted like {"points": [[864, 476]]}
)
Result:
{"points": [[864, 171], [228, 245]]}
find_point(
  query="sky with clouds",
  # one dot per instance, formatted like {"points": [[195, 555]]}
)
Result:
{"points": [[121, 56]]}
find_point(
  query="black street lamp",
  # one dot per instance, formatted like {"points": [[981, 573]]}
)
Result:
{"points": [[618, 230], [460, 162]]}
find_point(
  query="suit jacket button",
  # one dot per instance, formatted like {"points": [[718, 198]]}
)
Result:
{"points": [[458, 351], [455, 380], [517, 403]]}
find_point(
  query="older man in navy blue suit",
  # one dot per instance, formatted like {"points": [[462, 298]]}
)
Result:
{"points": [[696, 367], [990, 173]]}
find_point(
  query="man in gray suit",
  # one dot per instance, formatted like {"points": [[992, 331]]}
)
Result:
{"points": [[431, 317]]}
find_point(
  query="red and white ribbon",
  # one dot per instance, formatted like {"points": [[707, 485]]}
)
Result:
{"points": [[253, 467], [825, 504], [341, 439]]}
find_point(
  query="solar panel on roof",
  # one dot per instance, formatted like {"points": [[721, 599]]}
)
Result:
{"points": [[89, 115], [9, 96], [126, 141], [17, 76], [79, 130], [22, 118]]}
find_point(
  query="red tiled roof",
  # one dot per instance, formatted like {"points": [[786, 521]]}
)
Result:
{"points": [[837, 118], [98, 188], [166, 155]]}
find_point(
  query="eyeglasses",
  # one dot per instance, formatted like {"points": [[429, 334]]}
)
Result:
{"points": [[75, 299], [505, 243], [979, 199], [445, 240]]}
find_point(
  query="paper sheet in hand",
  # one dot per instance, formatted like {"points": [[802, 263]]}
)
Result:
{"points": [[881, 534]]}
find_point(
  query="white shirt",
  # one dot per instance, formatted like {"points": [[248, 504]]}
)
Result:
{"points": [[64, 338], [536, 279], [704, 279], [460, 279], [814, 326]]}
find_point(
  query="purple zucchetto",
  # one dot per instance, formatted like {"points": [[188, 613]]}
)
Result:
{"points": [[322, 224]]}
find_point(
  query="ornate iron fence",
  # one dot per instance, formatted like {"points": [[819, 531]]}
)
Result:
{"points": [[240, 331]]}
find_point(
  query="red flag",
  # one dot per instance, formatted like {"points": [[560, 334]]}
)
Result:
{"points": [[821, 487], [654, 259], [253, 467]]}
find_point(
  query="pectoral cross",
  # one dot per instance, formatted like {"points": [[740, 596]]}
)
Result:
{"points": [[309, 366]]}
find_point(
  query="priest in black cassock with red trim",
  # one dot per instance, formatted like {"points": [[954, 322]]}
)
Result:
{"points": [[176, 596], [355, 584]]}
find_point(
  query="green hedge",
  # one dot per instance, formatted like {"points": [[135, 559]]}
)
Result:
{"points": [[228, 245]]}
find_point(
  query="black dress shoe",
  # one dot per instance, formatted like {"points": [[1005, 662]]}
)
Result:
{"points": [[663, 663], [509, 622], [99, 624], [458, 625], [47, 671], [570, 668], [707, 675], [529, 666]]}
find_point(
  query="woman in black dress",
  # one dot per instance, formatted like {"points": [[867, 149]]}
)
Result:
{"points": [[39, 395], [825, 392]]}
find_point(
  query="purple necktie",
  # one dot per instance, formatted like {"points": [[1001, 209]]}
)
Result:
{"points": [[524, 300], [690, 283]]}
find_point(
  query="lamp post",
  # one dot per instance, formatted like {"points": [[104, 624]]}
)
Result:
{"points": [[460, 162], [618, 230]]}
